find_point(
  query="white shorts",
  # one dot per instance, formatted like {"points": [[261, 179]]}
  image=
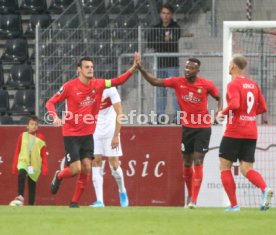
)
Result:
{"points": [[103, 147]]}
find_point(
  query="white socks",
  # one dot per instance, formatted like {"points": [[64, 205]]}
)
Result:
{"points": [[97, 179], [119, 177]]}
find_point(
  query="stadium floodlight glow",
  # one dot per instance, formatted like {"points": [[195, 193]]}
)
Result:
{"points": [[228, 28]]}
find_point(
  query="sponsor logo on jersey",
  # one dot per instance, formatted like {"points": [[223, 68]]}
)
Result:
{"points": [[191, 98], [88, 101], [199, 90]]}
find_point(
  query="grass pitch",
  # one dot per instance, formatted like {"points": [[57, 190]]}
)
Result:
{"points": [[59, 220]]}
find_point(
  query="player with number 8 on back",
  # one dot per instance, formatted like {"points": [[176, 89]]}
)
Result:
{"points": [[244, 102]]}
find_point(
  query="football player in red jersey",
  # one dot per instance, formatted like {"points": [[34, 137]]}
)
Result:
{"points": [[245, 101], [192, 96], [82, 96]]}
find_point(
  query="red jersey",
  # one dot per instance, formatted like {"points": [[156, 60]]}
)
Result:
{"points": [[82, 104], [193, 100], [245, 100]]}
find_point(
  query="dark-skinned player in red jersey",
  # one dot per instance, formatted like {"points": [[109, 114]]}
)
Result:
{"points": [[192, 96], [83, 98], [244, 102]]}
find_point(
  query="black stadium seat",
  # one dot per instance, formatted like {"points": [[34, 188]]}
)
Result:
{"points": [[24, 102], [93, 6], [33, 6], [120, 6], [8, 6], [16, 50], [58, 6], [21, 76], [4, 101], [126, 27], [6, 120], [43, 20], [98, 24], [10, 26]]}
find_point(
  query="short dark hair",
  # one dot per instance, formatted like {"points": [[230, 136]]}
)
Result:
{"points": [[167, 6], [195, 60], [87, 58], [32, 118], [240, 61]]}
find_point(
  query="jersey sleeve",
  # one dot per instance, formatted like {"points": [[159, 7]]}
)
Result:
{"points": [[118, 81], [43, 155], [114, 95], [59, 97], [212, 89], [16, 154], [233, 99], [170, 82], [262, 107]]}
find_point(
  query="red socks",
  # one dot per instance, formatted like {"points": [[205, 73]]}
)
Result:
{"points": [[65, 173], [188, 175], [197, 179], [255, 178], [80, 186], [229, 186]]}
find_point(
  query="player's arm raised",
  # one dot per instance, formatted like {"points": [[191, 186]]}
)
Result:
{"points": [[125, 76], [150, 78]]}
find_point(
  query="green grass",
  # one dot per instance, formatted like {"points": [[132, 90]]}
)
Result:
{"points": [[58, 220]]}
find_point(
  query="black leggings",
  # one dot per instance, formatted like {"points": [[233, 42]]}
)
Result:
{"points": [[21, 185]]}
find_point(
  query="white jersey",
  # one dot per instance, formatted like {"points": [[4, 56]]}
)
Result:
{"points": [[106, 123]]}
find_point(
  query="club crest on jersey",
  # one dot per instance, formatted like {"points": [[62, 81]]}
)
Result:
{"points": [[199, 90], [60, 90], [93, 91]]}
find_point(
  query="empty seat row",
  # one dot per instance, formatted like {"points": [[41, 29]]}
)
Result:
{"points": [[33, 6], [8, 120], [15, 50], [24, 102], [20, 77], [11, 25], [89, 6]]}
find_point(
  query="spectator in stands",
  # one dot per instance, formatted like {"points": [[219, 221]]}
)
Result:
{"points": [[29, 159], [164, 38]]}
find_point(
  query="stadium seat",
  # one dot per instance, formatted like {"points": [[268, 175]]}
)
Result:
{"points": [[93, 6], [4, 102], [126, 27], [98, 24], [33, 6], [6, 120], [23, 120], [58, 6], [68, 21], [142, 7], [8, 6], [120, 6], [10, 26], [24, 102], [181, 6], [16, 50], [2, 80], [21, 76], [43, 20]]}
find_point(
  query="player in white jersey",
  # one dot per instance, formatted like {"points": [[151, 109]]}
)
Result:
{"points": [[107, 144]]}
